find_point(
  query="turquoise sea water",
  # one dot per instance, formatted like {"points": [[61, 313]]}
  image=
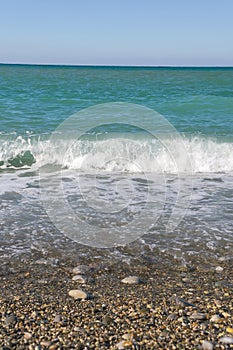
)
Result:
{"points": [[198, 102], [38, 98]]}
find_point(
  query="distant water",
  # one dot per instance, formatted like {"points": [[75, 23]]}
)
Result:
{"points": [[198, 102]]}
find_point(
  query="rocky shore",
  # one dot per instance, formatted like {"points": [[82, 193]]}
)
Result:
{"points": [[51, 304]]}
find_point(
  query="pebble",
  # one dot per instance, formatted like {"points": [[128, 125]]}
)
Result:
{"points": [[57, 319], [80, 279], [43, 281], [172, 316], [219, 269], [185, 279], [123, 344], [218, 303], [226, 340], [198, 316], [207, 345], [229, 330], [215, 318], [81, 270], [41, 261], [78, 294], [225, 314], [46, 343], [33, 314], [50, 261], [128, 336], [120, 345], [106, 319], [131, 280], [181, 301], [10, 319], [222, 258], [27, 335]]}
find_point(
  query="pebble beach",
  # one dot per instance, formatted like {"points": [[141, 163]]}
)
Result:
{"points": [[116, 175], [47, 303]]}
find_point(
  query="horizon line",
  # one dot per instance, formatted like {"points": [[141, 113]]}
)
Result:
{"points": [[115, 65]]}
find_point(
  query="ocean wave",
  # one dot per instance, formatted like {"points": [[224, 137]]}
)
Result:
{"points": [[206, 155]]}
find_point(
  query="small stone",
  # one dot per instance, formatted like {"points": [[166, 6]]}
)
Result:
{"points": [[222, 258], [33, 314], [172, 317], [54, 347], [207, 345], [53, 262], [218, 303], [80, 279], [46, 343], [219, 269], [107, 319], [229, 330], [128, 343], [41, 261], [215, 318], [120, 345], [226, 340], [10, 320], [198, 316], [27, 335], [185, 280], [131, 280], [57, 319], [124, 344], [81, 270], [78, 294], [42, 281], [181, 301], [80, 346], [128, 336]]}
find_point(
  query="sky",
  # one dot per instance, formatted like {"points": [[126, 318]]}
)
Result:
{"points": [[117, 32]]}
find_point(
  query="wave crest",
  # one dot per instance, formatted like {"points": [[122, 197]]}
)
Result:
{"points": [[117, 154]]}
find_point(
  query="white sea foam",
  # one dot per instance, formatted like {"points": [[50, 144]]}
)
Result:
{"points": [[119, 154]]}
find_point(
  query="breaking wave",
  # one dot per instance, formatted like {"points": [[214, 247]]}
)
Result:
{"points": [[119, 153]]}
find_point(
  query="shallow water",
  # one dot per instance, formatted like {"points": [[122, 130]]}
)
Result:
{"points": [[117, 184]]}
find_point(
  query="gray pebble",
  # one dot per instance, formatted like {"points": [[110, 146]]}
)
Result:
{"points": [[80, 279], [207, 345], [46, 343], [219, 269], [78, 294], [81, 270], [198, 316], [215, 318], [57, 319], [172, 316], [181, 301], [10, 320], [131, 280], [120, 345], [226, 340]]}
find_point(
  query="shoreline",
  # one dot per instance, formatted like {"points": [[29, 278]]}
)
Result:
{"points": [[174, 307]]}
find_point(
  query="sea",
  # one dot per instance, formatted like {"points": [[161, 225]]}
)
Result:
{"points": [[118, 163]]}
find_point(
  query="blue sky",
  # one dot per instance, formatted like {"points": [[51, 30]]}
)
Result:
{"points": [[122, 32]]}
